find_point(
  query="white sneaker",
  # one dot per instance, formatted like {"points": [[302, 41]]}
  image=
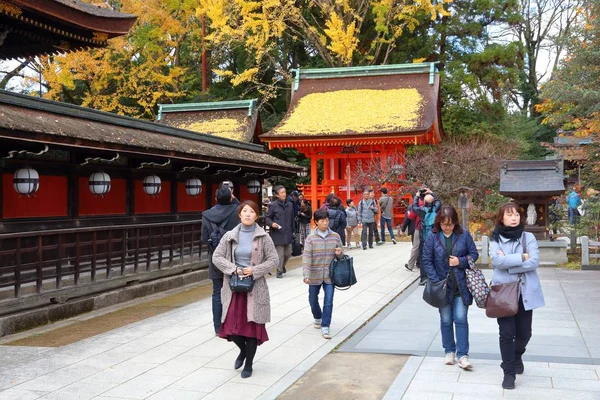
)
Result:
{"points": [[349, 246], [317, 324], [464, 363], [325, 332], [449, 359]]}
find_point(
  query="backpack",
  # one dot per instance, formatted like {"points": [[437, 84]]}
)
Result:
{"points": [[215, 236], [428, 221]]}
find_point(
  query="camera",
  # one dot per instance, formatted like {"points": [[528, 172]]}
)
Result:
{"points": [[422, 193]]}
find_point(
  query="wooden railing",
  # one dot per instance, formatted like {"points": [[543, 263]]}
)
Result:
{"points": [[43, 261]]}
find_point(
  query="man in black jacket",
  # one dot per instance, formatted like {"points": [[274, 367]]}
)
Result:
{"points": [[224, 214], [280, 218]]}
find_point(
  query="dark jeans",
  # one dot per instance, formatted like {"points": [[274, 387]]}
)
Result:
{"points": [[313, 300], [422, 273], [371, 227], [217, 306], [515, 333], [386, 222]]}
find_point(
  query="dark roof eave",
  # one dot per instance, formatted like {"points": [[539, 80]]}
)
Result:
{"points": [[81, 143], [70, 110], [83, 15], [519, 194]]}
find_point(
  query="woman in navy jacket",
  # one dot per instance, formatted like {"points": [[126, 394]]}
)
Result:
{"points": [[446, 253]]}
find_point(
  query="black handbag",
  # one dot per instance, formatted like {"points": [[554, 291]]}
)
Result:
{"points": [[435, 293], [341, 272], [241, 284], [296, 247]]}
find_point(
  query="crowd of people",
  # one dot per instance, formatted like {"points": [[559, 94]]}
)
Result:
{"points": [[441, 248]]}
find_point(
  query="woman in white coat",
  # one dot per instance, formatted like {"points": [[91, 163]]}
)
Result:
{"points": [[511, 263]]}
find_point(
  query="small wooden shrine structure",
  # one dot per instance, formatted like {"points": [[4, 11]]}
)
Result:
{"points": [[349, 117], [532, 184], [237, 120]]}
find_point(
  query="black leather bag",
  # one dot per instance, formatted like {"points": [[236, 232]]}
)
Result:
{"points": [[296, 247], [435, 293], [241, 284], [341, 272]]}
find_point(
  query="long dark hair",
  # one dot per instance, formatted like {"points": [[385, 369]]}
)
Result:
{"points": [[447, 213]]}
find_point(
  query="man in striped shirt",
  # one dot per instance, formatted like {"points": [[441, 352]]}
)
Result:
{"points": [[320, 247]]}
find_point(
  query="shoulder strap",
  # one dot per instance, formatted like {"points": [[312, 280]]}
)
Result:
{"points": [[386, 203]]}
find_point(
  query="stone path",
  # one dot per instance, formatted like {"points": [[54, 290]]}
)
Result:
{"points": [[175, 355], [562, 358]]}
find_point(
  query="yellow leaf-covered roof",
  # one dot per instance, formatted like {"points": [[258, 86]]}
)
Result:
{"points": [[360, 111], [387, 101], [229, 128], [237, 120]]}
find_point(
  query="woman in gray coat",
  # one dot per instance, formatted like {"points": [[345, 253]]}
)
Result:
{"points": [[511, 263], [246, 250]]}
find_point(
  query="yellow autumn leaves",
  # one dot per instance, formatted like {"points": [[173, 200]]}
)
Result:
{"points": [[342, 39], [354, 111], [229, 128], [332, 28]]}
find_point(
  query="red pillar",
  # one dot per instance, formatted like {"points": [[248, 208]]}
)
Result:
{"points": [[313, 180]]}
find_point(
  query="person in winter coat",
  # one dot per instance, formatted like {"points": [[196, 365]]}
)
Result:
{"points": [[337, 217], [248, 251], [320, 248], [510, 264], [224, 214], [386, 204], [446, 253], [280, 218], [425, 205], [378, 240], [408, 226], [304, 218], [351, 224], [574, 201], [367, 208]]}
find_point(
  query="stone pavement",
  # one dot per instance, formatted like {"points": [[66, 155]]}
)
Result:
{"points": [[562, 359], [175, 355]]}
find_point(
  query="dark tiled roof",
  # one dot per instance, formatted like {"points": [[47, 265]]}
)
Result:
{"points": [[526, 178], [67, 123], [93, 9]]}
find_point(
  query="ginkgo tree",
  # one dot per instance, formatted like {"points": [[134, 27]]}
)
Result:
{"points": [[135, 72], [340, 32]]}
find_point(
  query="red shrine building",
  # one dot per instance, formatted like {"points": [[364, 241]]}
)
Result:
{"points": [[352, 117], [91, 201]]}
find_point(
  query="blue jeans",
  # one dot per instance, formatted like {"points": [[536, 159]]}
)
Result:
{"points": [[383, 222], [452, 315], [573, 216], [313, 299], [217, 306]]}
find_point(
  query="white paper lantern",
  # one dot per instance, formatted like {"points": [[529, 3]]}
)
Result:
{"points": [[253, 187], [99, 183], [26, 181], [152, 185], [193, 186]]}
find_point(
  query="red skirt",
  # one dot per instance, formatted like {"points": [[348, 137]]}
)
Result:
{"points": [[236, 322]]}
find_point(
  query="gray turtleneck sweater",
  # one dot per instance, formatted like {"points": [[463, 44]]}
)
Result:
{"points": [[243, 252]]}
